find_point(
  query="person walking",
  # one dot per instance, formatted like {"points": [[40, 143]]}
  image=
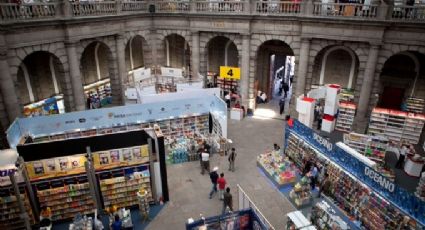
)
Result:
{"points": [[214, 178], [232, 158], [227, 201], [205, 157], [285, 89], [221, 186], [314, 173], [281, 105]]}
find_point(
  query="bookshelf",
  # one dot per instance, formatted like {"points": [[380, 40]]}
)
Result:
{"points": [[66, 197], [121, 191], [415, 105], [9, 209], [373, 147], [171, 129], [346, 115], [396, 125]]}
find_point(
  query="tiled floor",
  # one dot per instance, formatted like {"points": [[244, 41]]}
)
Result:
{"points": [[189, 189]]}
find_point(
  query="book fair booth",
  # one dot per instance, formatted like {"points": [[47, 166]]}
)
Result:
{"points": [[112, 159]]}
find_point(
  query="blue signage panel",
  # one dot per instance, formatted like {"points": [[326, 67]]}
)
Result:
{"points": [[399, 197], [88, 119]]}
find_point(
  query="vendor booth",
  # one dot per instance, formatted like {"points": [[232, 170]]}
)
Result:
{"points": [[100, 159], [357, 187]]}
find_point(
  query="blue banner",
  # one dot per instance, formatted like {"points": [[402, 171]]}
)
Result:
{"points": [[107, 117], [406, 201]]}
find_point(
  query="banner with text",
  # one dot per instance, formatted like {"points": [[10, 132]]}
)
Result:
{"points": [[396, 195]]}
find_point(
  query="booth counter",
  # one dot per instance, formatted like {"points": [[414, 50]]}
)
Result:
{"points": [[413, 166]]}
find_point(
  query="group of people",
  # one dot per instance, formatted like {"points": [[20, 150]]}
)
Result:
{"points": [[223, 192], [93, 101]]}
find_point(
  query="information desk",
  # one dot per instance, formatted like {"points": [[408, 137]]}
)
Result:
{"points": [[413, 167]]}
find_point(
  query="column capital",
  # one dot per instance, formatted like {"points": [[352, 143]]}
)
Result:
{"points": [[195, 32], [120, 35], [245, 35], [71, 43]]}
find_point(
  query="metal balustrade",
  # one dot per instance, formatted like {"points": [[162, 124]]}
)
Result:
{"points": [[10, 12]]}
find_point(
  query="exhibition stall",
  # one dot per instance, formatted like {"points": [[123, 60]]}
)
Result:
{"points": [[357, 187], [74, 180], [277, 167], [99, 93]]}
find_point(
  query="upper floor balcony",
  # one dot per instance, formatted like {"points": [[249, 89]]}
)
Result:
{"points": [[30, 10]]}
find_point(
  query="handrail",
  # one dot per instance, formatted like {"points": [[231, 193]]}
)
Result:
{"points": [[243, 196], [10, 12]]}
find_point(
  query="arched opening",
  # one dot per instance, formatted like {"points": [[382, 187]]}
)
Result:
{"points": [[401, 78], [275, 67], [134, 57], [96, 69], [177, 52], [221, 51], [336, 65], [40, 84]]}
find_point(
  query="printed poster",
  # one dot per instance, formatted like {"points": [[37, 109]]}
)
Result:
{"points": [[115, 156], [64, 163], [126, 155], [104, 158], [38, 168], [50, 165]]}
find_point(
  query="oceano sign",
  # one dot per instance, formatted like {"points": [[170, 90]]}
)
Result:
{"points": [[328, 145], [378, 178]]}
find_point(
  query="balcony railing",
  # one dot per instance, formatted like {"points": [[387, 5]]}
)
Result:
{"points": [[219, 6], [10, 12], [172, 6], [345, 10], [278, 7], [13, 11], [94, 8]]}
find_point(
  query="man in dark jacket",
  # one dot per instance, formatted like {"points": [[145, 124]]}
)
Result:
{"points": [[285, 87], [227, 201], [213, 177]]}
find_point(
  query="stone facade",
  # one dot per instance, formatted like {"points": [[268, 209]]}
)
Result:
{"points": [[308, 40]]}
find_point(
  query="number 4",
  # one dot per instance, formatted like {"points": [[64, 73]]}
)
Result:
{"points": [[230, 73]]}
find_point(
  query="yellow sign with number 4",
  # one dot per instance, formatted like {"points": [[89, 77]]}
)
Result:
{"points": [[230, 72]]}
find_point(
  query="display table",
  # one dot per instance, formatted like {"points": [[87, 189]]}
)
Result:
{"points": [[236, 114], [278, 168], [413, 166]]}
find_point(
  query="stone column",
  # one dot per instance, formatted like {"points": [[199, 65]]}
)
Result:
{"points": [[302, 67], [7, 87], [122, 75], [246, 40], [367, 85], [75, 74], [195, 54]]}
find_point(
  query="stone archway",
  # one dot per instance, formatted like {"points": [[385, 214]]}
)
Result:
{"points": [[221, 51], [98, 73], [336, 65], [271, 56], [41, 76], [402, 77], [177, 51]]}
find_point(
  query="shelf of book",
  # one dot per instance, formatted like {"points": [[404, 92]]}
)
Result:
{"points": [[9, 209], [397, 126], [415, 105], [65, 197], [122, 191], [345, 118]]}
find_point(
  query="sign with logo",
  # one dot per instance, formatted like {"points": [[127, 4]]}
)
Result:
{"points": [[228, 72], [397, 196], [171, 72], [141, 74]]}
